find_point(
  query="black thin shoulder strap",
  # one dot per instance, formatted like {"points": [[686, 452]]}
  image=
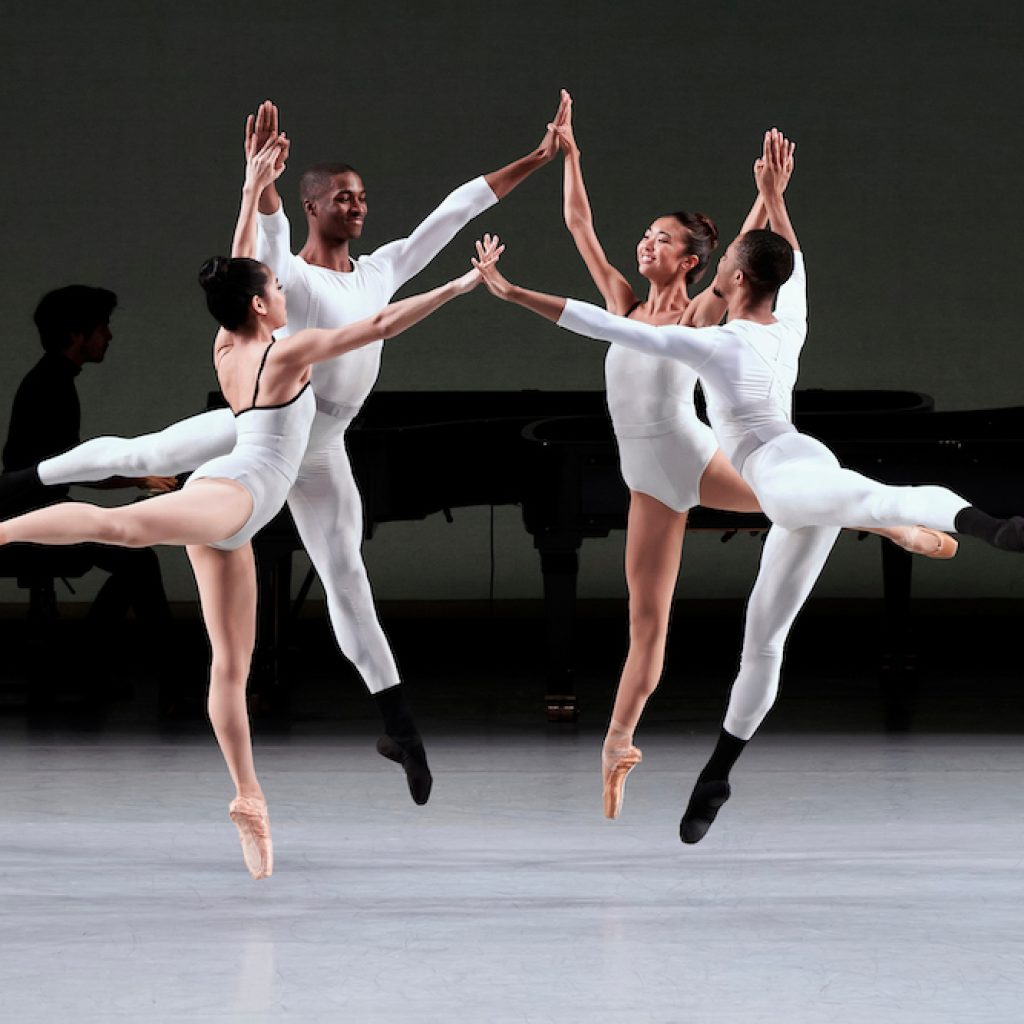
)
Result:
{"points": [[259, 372], [636, 305]]}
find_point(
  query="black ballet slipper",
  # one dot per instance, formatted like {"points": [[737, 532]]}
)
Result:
{"points": [[409, 753], [1005, 534], [705, 802], [1010, 535], [18, 489]]}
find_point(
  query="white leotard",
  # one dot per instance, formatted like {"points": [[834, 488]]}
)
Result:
{"points": [[270, 445], [663, 447]]}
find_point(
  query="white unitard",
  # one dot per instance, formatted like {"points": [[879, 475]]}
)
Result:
{"points": [[324, 500], [663, 447], [748, 372]]}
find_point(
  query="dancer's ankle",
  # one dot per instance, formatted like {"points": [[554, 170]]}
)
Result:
{"points": [[617, 742]]}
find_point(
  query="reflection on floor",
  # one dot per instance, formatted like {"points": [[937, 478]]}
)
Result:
{"points": [[856, 875]]}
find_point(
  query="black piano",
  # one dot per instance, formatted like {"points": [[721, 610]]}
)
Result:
{"points": [[416, 453]]}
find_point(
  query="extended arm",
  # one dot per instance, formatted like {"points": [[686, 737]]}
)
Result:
{"points": [[317, 346], [408, 256], [508, 177], [707, 309], [613, 286], [689, 345], [771, 176]]}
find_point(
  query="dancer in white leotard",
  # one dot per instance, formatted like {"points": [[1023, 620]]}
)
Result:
{"points": [[670, 460], [325, 286], [266, 383], [748, 368]]}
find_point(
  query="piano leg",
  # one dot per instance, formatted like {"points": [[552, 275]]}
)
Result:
{"points": [[559, 563], [274, 579], [899, 661]]}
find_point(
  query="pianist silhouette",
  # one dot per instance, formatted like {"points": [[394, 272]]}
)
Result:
{"points": [[74, 330]]}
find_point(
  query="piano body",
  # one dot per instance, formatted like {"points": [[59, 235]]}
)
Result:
{"points": [[553, 453]]}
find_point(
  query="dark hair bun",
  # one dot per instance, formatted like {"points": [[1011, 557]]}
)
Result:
{"points": [[710, 227], [213, 272]]}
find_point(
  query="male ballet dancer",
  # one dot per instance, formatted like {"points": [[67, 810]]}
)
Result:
{"points": [[325, 286], [748, 368]]}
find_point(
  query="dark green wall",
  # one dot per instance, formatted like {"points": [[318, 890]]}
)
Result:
{"points": [[122, 165]]}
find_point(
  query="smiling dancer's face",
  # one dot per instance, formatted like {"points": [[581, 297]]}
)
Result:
{"points": [[341, 209], [662, 252]]}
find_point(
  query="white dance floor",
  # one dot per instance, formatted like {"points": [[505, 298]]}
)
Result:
{"points": [[851, 879]]}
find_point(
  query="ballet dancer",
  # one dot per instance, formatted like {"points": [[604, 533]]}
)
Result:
{"points": [[668, 457], [325, 286], [748, 368], [266, 382]]}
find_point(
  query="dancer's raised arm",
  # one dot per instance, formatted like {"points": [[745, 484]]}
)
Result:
{"points": [[707, 309], [263, 125], [506, 178], [617, 292], [263, 166], [772, 175], [406, 257]]}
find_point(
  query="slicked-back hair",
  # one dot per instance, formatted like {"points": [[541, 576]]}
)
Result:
{"points": [[766, 259], [74, 309], [316, 180], [230, 284]]}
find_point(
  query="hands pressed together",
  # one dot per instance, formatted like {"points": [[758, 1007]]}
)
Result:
{"points": [[774, 167], [266, 149]]}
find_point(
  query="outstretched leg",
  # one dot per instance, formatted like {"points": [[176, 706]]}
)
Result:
{"points": [[227, 593], [202, 513], [791, 563], [654, 545], [178, 448], [328, 513], [723, 488]]}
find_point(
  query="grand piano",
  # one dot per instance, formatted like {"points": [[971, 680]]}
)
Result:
{"points": [[415, 454]]}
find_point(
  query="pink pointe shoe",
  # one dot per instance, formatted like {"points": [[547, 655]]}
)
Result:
{"points": [[250, 816], [616, 768], [920, 540]]}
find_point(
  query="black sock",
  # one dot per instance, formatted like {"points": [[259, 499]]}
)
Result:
{"points": [[401, 742], [397, 714], [724, 756], [712, 789], [1005, 534]]}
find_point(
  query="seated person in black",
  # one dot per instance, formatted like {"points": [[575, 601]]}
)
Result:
{"points": [[74, 328]]}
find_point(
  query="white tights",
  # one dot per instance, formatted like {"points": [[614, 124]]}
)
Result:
{"points": [[325, 504], [808, 497]]}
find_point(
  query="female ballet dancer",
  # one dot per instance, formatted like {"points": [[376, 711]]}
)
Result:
{"points": [[228, 499], [669, 458]]}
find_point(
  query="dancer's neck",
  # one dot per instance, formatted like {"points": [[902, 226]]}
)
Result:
{"points": [[318, 252], [666, 301]]}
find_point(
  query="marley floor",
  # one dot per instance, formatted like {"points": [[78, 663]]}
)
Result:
{"points": [[858, 874]]}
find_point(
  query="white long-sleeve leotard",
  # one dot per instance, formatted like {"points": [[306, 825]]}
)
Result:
{"points": [[317, 297]]}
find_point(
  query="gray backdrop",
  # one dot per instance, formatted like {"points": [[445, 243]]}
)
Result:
{"points": [[122, 129]]}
